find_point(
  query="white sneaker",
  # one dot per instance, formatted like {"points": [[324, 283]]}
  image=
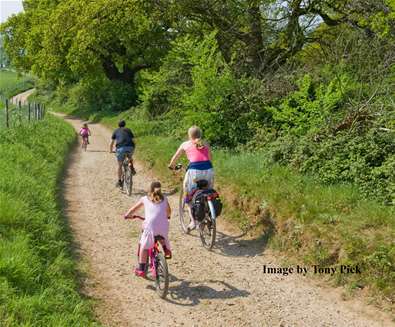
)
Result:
{"points": [[191, 226]]}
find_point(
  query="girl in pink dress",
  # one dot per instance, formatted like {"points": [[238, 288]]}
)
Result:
{"points": [[157, 214]]}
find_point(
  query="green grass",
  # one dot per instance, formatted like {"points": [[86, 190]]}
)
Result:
{"points": [[316, 224], [11, 83], [38, 276]]}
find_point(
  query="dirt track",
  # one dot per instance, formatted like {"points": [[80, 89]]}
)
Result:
{"points": [[225, 287], [22, 97]]}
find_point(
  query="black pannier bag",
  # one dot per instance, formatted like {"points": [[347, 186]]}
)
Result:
{"points": [[199, 205], [199, 208]]}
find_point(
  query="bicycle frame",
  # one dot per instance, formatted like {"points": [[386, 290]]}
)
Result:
{"points": [[152, 252]]}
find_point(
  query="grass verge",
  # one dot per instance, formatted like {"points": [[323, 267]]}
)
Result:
{"points": [[38, 284]]}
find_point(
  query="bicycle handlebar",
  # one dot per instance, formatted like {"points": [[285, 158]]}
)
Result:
{"points": [[177, 167], [133, 217]]}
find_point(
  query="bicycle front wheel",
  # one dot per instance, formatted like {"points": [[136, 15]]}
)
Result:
{"points": [[162, 276], [183, 212]]}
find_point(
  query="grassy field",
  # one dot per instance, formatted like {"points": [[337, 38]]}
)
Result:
{"points": [[11, 83], [38, 279], [312, 223]]}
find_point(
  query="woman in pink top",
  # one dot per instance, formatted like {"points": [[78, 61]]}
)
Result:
{"points": [[157, 214], [200, 166]]}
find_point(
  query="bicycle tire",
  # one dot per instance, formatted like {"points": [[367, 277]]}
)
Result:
{"points": [[127, 179], [162, 276], [183, 212], [84, 145], [209, 226]]}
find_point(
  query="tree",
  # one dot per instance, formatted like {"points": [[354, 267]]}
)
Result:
{"points": [[70, 40], [264, 34]]}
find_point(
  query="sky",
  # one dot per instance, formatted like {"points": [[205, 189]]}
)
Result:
{"points": [[9, 7]]}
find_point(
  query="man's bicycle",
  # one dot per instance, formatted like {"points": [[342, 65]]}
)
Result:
{"points": [[127, 173], [156, 266], [207, 226]]}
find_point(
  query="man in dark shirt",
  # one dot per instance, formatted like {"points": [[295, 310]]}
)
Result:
{"points": [[124, 143]]}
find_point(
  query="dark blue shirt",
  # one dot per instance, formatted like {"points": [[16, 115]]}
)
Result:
{"points": [[123, 137]]}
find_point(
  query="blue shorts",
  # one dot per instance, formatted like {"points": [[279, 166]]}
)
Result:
{"points": [[121, 152]]}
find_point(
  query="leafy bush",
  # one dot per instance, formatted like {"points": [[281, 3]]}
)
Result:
{"points": [[312, 106]]}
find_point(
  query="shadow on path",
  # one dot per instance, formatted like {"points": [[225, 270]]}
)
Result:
{"points": [[188, 293]]}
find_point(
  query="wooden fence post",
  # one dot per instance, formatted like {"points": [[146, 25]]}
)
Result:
{"points": [[28, 110], [20, 112], [7, 122]]}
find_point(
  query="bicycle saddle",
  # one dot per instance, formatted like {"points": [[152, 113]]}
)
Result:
{"points": [[159, 238]]}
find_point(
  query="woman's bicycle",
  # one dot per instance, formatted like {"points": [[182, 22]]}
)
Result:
{"points": [[156, 267], [207, 226], [127, 173]]}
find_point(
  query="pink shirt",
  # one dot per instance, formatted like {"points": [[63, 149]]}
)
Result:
{"points": [[194, 153], [84, 131]]}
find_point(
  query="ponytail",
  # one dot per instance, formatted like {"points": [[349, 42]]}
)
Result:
{"points": [[155, 194], [195, 134], [199, 143]]}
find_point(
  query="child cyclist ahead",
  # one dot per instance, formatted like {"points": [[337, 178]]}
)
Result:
{"points": [[85, 132], [200, 166], [157, 214]]}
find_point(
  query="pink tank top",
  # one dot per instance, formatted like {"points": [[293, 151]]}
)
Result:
{"points": [[195, 154]]}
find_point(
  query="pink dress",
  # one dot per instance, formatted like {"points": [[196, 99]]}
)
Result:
{"points": [[155, 223]]}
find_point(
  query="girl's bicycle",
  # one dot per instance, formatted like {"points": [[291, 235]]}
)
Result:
{"points": [[207, 225], [127, 173], [156, 267], [84, 144]]}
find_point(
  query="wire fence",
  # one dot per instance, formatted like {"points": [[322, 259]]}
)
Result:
{"points": [[17, 114]]}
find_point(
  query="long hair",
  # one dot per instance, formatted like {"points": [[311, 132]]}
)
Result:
{"points": [[155, 193], [195, 134]]}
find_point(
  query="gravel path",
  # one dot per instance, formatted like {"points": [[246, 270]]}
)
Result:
{"points": [[225, 287]]}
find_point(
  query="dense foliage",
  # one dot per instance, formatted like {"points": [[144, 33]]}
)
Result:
{"points": [[310, 83], [38, 284]]}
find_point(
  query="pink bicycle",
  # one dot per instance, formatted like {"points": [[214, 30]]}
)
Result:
{"points": [[85, 142], [156, 267]]}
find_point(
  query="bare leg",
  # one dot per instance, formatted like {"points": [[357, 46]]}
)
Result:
{"points": [[143, 256], [120, 170]]}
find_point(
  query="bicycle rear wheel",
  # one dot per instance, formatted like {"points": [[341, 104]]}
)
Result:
{"points": [[183, 212], [84, 144], [162, 276], [208, 228], [127, 179]]}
